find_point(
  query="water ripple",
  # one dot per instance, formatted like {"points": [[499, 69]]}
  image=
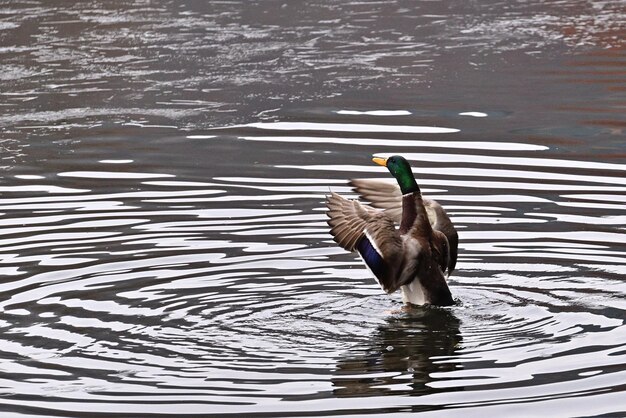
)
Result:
{"points": [[163, 240]]}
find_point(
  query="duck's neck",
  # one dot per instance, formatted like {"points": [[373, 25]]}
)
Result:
{"points": [[407, 183], [414, 215], [409, 212], [412, 205]]}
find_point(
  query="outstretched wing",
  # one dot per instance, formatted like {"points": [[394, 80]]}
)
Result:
{"points": [[382, 195], [369, 232], [441, 222], [387, 196]]}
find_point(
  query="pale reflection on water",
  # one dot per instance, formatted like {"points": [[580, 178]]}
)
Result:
{"points": [[163, 240]]}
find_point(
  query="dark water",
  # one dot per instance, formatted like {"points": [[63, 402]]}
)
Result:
{"points": [[163, 244]]}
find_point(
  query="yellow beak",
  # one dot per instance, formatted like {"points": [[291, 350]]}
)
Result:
{"points": [[380, 161]]}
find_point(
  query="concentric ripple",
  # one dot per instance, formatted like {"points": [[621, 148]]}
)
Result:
{"points": [[163, 242], [135, 287]]}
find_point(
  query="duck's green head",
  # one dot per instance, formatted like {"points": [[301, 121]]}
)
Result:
{"points": [[401, 170]]}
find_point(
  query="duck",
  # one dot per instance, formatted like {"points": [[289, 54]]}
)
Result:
{"points": [[408, 242]]}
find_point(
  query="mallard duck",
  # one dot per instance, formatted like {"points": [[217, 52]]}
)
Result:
{"points": [[414, 257]]}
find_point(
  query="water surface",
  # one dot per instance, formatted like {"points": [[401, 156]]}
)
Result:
{"points": [[163, 240]]}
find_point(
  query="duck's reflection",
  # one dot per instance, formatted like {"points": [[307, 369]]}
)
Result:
{"points": [[401, 355]]}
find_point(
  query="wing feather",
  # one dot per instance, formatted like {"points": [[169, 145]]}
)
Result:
{"points": [[441, 222], [381, 194], [371, 233]]}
